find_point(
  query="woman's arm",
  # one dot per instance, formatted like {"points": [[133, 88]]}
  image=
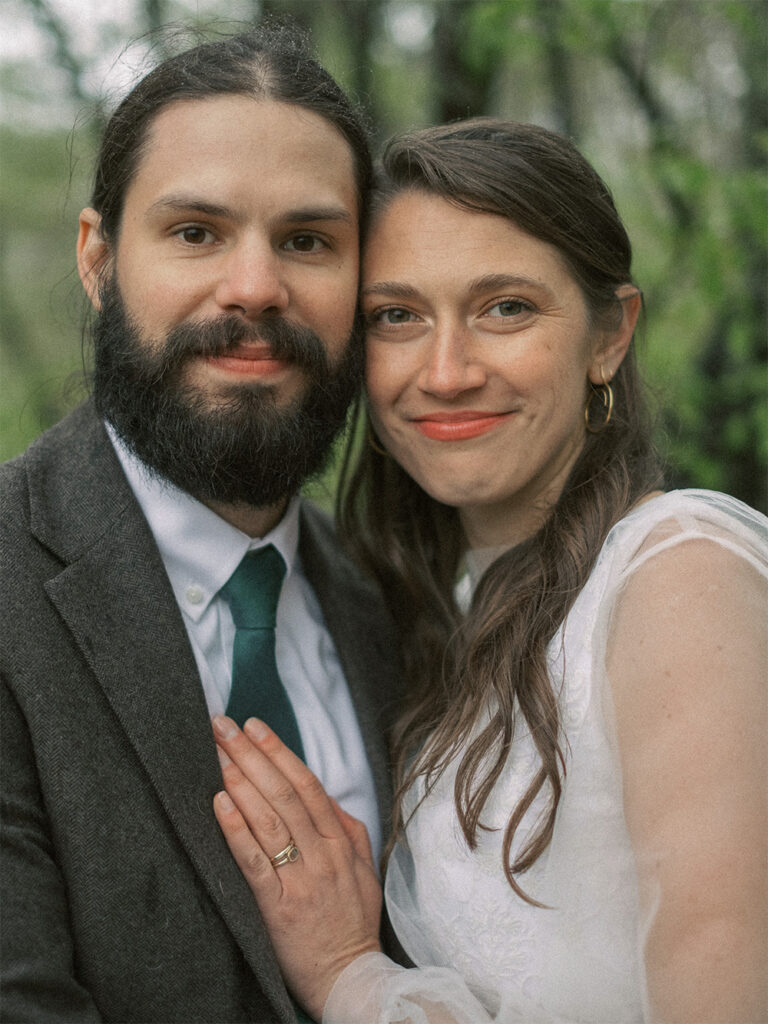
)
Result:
{"points": [[688, 665]]}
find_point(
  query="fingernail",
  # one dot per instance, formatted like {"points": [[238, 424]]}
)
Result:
{"points": [[224, 802], [224, 727], [256, 728], [224, 760]]}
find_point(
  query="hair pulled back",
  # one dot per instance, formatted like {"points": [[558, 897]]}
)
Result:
{"points": [[272, 62], [471, 677]]}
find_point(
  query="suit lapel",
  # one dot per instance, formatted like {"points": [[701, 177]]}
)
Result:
{"points": [[365, 642], [115, 598]]}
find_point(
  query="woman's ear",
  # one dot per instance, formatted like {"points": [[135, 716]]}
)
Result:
{"points": [[93, 253], [613, 344]]}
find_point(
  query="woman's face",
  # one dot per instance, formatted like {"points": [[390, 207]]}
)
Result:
{"points": [[479, 349]]}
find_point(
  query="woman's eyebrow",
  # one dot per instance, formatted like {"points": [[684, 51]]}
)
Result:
{"points": [[489, 282], [494, 282], [396, 289]]}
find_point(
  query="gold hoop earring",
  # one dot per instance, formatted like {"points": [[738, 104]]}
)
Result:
{"points": [[604, 392], [373, 441]]}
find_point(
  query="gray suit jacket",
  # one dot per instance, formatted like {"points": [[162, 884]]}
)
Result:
{"points": [[120, 900]]}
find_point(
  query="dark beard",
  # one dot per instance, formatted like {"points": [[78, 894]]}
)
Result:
{"points": [[242, 450]]}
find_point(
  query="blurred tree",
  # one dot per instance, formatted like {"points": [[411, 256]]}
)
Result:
{"points": [[155, 14], [53, 24], [729, 440], [463, 60], [40, 337], [551, 16], [668, 100]]}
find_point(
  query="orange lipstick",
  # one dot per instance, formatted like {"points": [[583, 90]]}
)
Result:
{"points": [[459, 426]]}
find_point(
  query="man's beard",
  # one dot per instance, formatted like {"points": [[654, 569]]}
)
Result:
{"points": [[237, 447]]}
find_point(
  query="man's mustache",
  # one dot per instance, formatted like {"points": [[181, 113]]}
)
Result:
{"points": [[212, 338]]}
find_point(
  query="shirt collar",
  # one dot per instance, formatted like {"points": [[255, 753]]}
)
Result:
{"points": [[200, 550]]}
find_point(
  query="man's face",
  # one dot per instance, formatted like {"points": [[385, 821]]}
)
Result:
{"points": [[244, 207], [229, 297]]}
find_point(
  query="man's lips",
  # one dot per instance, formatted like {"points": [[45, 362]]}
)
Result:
{"points": [[249, 359], [458, 426]]}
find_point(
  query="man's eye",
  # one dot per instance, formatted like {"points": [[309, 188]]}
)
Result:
{"points": [[195, 235], [304, 243]]}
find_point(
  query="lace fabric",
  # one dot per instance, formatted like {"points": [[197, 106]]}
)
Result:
{"points": [[483, 954]]}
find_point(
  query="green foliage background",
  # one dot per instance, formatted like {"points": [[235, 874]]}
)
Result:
{"points": [[668, 98]]}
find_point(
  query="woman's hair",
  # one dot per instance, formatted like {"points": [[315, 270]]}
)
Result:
{"points": [[470, 677], [272, 62]]}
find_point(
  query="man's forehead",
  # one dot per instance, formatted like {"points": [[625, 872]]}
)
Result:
{"points": [[199, 149], [219, 114]]}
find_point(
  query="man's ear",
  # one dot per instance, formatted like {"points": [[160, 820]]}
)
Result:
{"points": [[93, 254], [613, 344]]}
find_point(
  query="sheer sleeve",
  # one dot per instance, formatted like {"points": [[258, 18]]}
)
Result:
{"points": [[374, 990], [687, 661], [656, 872]]}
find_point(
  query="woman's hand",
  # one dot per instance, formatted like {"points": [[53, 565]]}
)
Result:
{"points": [[322, 909]]}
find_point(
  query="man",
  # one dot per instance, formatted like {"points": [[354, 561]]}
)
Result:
{"points": [[221, 256]]}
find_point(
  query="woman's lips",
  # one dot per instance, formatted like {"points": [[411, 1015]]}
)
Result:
{"points": [[249, 359], [458, 426]]}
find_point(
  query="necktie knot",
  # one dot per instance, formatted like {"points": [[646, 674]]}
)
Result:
{"points": [[253, 589]]}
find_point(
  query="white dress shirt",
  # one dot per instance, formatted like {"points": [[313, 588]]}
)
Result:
{"points": [[200, 551]]}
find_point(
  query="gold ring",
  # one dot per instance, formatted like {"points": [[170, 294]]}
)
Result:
{"points": [[286, 856]]}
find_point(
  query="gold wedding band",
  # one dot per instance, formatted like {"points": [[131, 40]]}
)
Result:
{"points": [[286, 856]]}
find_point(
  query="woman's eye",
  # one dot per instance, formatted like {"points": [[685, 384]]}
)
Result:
{"points": [[509, 307], [305, 243], [195, 235], [392, 315]]}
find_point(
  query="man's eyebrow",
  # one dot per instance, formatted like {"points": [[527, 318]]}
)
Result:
{"points": [[194, 204], [190, 204], [314, 213]]}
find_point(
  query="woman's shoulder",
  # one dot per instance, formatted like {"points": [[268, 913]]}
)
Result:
{"points": [[672, 518], [688, 535]]}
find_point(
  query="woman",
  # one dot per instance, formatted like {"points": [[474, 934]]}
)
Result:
{"points": [[581, 818]]}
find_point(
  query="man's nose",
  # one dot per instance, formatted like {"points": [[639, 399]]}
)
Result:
{"points": [[252, 281]]}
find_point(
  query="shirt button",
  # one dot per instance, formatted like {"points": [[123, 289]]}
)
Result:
{"points": [[195, 594]]}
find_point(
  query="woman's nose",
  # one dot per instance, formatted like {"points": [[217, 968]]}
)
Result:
{"points": [[451, 366]]}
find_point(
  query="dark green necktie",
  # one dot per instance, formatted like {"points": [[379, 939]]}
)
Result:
{"points": [[252, 592]]}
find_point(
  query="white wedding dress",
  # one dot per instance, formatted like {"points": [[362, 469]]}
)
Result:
{"points": [[484, 954]]}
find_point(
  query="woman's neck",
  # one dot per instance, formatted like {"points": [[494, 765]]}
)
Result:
{"points": [[500, 526]]}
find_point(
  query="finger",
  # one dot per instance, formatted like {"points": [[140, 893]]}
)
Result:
{"points": [[267, 826], [305, 783], [266, 779], [356, 831], [248, 854]]}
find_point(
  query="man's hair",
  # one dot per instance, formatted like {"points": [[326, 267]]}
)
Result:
{"points": [[273, 62]]}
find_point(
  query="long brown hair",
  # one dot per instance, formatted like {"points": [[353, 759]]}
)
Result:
{"points": [[492, 661]]}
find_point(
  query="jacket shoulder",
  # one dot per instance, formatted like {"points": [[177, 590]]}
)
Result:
{"points": [[67, 487], [14, 492]]}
